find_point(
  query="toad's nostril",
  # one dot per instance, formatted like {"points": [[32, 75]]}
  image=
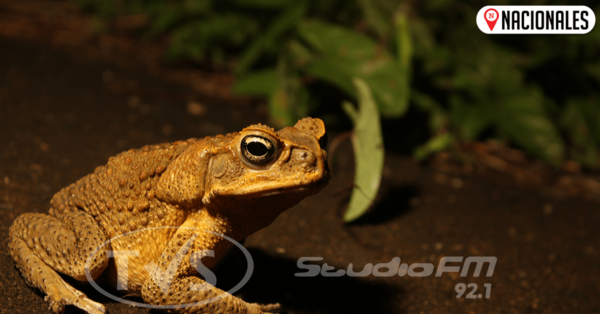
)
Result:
{"points": [[304, 155]]}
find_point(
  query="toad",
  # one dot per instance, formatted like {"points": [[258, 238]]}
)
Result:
{"points": [[166, 203]]}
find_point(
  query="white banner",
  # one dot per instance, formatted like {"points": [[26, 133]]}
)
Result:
{"points": [[536, 19]]}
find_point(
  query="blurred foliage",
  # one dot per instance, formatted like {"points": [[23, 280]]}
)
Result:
{"points": [[539, 93]]}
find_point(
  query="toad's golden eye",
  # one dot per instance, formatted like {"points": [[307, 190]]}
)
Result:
{"points": [[257, 149]]}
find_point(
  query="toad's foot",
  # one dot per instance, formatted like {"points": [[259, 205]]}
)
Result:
{"points": [[63, 294], [269, 308]]}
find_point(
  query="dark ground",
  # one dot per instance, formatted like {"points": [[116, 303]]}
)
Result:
{"points": [[59, 120]]}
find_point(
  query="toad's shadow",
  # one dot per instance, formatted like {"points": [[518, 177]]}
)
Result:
{"points": [[392, 201], [273, 281]]}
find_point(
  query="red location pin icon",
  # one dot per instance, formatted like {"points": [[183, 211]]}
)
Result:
{"points": [[491, 17]]}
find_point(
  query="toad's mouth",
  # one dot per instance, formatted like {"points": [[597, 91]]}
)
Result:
{"points": [[313, 188], [307, 189]]}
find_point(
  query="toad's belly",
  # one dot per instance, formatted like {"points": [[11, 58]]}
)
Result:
{"points": [[134, 255]]}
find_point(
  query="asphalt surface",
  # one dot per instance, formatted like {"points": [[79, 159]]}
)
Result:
{"points": [[60, 118]]}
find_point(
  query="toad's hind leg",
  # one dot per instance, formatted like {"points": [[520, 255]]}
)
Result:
{"points": [[42, 245]]}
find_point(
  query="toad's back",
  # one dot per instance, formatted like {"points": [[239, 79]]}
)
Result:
{"points": [[121, 194]]}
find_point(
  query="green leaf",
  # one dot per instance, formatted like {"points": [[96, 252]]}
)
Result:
{"points": [[404, 48], [350, 111], [286, 105], [333, 71], [195, 39], [583, 149], [391, 90], [468, 119], [259, 83], [375, 19], [438, 117], [590, 111], [368, 151], [435, 144], [289, 100], [300, 54], [283, 23], [523, 118], [279, 107], [424, 42], [345, 54], [426, 102]]}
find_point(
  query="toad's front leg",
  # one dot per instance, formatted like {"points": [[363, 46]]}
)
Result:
{"points": [[172, 283]]}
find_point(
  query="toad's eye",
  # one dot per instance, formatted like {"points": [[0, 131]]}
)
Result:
{"points": [[257, 149]]}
